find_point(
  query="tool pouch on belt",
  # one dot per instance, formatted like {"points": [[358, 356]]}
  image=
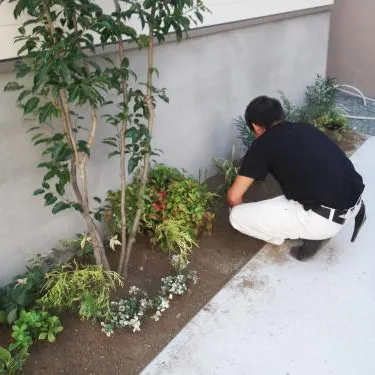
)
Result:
{"points": [[359, 221]]}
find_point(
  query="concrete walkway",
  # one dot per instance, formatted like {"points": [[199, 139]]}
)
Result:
{"points": [[278, 316]]}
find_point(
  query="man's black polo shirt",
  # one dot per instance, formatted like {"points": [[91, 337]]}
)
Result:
{"points": [[309, 166]]}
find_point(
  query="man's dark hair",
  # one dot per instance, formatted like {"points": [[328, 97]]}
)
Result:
{"points": [[264, 111]]}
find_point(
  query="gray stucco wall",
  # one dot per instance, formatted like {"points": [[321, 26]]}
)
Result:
{"points": [[210, 80]]}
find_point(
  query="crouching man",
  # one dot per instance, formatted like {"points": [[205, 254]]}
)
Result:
{"points": [[321, 188]]}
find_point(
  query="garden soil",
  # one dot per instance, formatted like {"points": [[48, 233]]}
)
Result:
{"points": [[83, 349]]}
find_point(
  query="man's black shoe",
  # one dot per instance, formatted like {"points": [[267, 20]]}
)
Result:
{"points": [[307, 250]]}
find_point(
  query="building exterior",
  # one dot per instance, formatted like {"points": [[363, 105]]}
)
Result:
{"points": [[246, 48], [351, 57]]}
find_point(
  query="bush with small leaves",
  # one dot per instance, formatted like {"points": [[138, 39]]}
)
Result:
{"points": [[84, 289], [319, 106], [175, 210], [34, 325], [21, 293]]}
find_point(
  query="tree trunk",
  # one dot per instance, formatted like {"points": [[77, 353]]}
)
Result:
{"points": [[79, 161], [146, 160], [121, 52]]}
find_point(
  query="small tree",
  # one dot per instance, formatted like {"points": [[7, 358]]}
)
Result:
{"points": [[67, 85], [159, 18], [63, 82]]}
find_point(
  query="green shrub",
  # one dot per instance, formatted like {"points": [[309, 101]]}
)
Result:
{"points": [[319, 106], [85, 290], [228, 169], [21, 293], [244, 133], [11, 363], [174, 237], [30, 326], [168, 195], [34, 325]]}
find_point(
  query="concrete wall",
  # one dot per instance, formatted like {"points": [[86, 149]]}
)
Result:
{"points": [[351, 56], [210, 80], [222, 11]]}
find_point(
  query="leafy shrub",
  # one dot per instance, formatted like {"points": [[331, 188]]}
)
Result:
{"points": [[173, 235], [11, 363], [78, 247], [171, 201], [228, 169], [33, 325], [22, 292], [29, 327], [292, 112], [84, 289], [244, 133], [319, 106]]}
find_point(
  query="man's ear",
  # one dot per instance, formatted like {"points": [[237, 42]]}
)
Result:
{"points": [[258, 130]]}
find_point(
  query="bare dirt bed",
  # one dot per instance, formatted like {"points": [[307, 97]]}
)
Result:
{"points": [[83, 349]]}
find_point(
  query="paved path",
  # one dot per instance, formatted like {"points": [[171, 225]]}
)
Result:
{"points": [[281, 317]]}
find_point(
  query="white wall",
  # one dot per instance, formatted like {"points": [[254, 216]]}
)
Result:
{"points": [[223, 11], [210, 80]]}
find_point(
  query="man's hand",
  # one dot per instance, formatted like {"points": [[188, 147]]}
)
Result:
{"points": [[238, 189]]}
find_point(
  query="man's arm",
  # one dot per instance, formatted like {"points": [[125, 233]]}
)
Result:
{"points": [[238, 189]]}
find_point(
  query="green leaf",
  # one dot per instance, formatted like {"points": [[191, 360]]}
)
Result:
{"points": [[42, 336], [134, 134], [22, 69], [47, 111], [199, 16], [12, 315], [38, 191], [32, 129], [60, 188], [60, 206], [23, 95], [36, 136], [51, 337], [132, 164], [113, 153], [77, 207], [110, 143], [5, 355], [31, 105], [125, 62], [49, 199], [3, 317], [82, 147], [98, 216], [13, 86], [156, 71], [43, 140]]}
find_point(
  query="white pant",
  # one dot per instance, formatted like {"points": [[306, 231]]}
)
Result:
{"points": [[275, 220]]}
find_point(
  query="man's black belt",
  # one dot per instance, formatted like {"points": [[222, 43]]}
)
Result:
{"points": [[339, 216], [327, 212]]}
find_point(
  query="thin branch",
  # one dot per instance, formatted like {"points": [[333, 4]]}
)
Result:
{"points": [[121, 52], [146, 160], [94, 124]]}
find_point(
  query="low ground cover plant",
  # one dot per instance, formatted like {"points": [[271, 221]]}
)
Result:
{"points": [[130, 312], [31, 326]]}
